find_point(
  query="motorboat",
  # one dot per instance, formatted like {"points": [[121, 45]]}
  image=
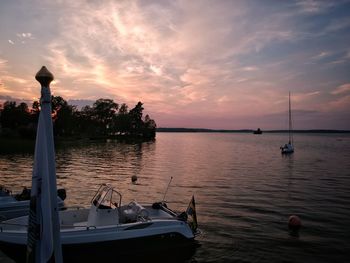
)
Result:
{"points": [[17, 205], [109, 229], [289, 147]]}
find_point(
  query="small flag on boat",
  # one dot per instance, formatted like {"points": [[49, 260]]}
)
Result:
{"points": [[191, 213]]}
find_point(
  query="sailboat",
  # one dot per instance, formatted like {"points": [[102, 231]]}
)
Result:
{"points": [[289, 147]]}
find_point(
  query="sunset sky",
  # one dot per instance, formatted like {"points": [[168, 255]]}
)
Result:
{"points": [[205, 64]]}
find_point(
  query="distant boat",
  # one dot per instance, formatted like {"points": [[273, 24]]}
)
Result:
{"points": [[258, 131], [289, 147]]}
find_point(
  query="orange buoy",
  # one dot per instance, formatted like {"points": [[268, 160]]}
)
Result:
{"points": [[133, 178], [294, 224]]}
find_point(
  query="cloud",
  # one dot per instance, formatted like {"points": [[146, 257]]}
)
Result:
{"points": [[125, 53], [250, 68], [338, 24], [17, 100], [11, 42], [341, 89], [298, 97], [81, 103], [340, 104], [322, 55], [25, 35], [315, 6], [18, 80], [347, 56], [189, 57], [3, 62]]}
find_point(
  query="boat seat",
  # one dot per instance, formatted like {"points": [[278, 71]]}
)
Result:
{"points": [[134, 211]]}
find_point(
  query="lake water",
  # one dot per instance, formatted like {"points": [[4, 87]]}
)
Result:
{"points": [[245, 190]]}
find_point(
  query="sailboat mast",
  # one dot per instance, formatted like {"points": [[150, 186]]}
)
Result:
{"points": [[290, 123]]}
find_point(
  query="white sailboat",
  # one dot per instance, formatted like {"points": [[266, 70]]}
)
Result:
{"points": [[289, 147]]}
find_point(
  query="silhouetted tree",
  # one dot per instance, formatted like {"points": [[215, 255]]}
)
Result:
{"points": [[35, 111], [136, 119], [8, 115], [149, 130], [103, 111], [65, 121], [104, 118], [13, 116], [121, 122], [57, 102], [14, 119]]}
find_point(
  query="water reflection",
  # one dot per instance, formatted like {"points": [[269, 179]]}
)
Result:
{"points": [[245, 189]]}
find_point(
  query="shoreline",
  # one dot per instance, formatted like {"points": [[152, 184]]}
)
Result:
{"points": [[248, 130]]}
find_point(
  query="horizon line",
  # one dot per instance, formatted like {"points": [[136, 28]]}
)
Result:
{"points": [[180, 129]]}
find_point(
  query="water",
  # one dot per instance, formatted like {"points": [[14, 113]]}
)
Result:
{"points": [[245, 189]]}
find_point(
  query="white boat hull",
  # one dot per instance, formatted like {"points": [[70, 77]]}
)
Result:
{"points": [[156, 246], [96, 242], [107, 229], [287, 148]]}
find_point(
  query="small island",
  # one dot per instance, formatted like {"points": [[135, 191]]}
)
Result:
{"points": [[105, 119]]}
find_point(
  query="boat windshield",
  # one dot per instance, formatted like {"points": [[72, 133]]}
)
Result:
{"points": [[107, 197]]}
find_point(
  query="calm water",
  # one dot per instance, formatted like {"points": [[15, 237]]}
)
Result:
{"points": [[244, 189]]}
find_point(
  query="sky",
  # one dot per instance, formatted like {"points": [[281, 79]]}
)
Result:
{"points": [[197, 64]]}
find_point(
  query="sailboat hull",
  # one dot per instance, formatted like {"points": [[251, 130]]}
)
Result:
{"points": [[287, 151]]}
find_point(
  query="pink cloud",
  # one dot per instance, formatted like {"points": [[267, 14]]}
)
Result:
{"points": [[341, 89]]}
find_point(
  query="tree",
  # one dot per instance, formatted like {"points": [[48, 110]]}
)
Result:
{"points": [[136, 119], [104, 118], [15, 119], [103, 112], [57, 102], [35, 111], [149, 130], [121, 121], [13, 116], [65, 121], [85, 123], [8, 116]]}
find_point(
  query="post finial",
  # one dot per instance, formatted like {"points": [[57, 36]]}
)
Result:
{"points": [[44, 77]]}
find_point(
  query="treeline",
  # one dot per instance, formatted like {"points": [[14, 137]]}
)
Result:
{"points": [[105, 118]]}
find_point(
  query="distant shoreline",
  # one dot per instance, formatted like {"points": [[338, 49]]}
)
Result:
{"points": [[246, 130]]}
